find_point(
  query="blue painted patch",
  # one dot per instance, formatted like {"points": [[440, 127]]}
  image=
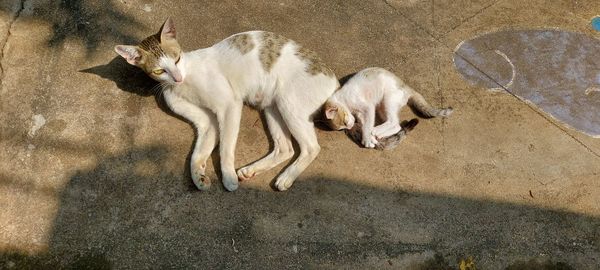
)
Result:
{"points": [[555, 70], [596, 23]]}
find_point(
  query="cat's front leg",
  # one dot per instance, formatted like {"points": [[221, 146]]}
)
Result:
{"points": [[229, 126], [367, 119], [206, 128], [205, 144]]}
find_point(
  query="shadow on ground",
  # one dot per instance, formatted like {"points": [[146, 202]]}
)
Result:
{"points": [[90, 22], [131, 212]]}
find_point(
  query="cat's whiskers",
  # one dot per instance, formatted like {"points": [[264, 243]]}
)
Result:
{"points": [[156, 89]]}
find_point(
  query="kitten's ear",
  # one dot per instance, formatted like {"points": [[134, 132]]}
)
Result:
{"points": [[132, 54], [330, 111], [167, 30]]}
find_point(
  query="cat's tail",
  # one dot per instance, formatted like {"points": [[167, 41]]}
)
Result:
{"points": [[417, 102]]}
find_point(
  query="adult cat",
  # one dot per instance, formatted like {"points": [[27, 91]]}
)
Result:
{"points": [[209, 86], [375, 90]]}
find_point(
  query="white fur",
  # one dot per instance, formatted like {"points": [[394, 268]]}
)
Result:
{"points": [[219, 79], [371, 90]]}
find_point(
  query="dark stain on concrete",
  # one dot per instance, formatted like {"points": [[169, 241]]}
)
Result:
{"points": [[56, 125], [536, 264], [558, 71]]}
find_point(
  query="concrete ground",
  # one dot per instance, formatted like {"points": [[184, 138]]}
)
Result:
{"points": [[94, 168]]}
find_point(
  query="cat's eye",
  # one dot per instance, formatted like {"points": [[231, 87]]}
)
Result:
{"points": [[158, 71], [178, 58]]}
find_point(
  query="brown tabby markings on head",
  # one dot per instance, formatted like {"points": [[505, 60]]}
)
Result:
{"points": [[153, 48], [271, 49], [242, 42], [338, 120], [315, 64], [152, 45]]}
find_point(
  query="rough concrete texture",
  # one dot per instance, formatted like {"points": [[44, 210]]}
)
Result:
{"points": [[94, 169]]}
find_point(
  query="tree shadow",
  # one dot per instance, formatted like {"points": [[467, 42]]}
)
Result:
{"points": [[91, 22], [132, 212]]}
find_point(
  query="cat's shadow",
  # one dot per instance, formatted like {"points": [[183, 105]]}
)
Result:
{"points": [[132, 80], [127, 77]]}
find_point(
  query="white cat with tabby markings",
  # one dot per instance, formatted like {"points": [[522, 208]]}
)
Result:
{"points": [[209, 86], [371, 91]]}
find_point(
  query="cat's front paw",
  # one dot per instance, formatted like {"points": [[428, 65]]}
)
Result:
{"points": [[283, 182], [230, 182], [245, 173], [370, 141], [201, 181]]}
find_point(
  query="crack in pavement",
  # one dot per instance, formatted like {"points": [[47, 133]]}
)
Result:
{"points": [[13, 19]]}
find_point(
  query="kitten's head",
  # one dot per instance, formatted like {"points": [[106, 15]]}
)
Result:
{"points": [[158, 55], [337, 115]]}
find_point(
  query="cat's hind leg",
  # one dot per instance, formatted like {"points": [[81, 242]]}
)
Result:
{"points": [[303, 131], [391, 125], [282, 146]]}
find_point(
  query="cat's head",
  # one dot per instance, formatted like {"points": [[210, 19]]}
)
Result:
{"points": [[337, 115], [158, 55]]}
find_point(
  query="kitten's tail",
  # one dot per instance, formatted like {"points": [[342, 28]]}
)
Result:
{"points": [[417, 102]]}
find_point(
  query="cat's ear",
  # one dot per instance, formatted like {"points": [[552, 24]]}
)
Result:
{"points": [[167, 30], [330, 111], [132, 54]]}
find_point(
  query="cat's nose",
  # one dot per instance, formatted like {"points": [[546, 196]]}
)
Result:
{"points": [[177, 78]]}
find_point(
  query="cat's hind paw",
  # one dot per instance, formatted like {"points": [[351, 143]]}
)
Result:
{"points": [[245, 173], [283, 183]]}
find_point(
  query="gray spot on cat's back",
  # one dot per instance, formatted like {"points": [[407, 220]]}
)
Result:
{"points": [[242, 42], [270, 50], [314, 63]]}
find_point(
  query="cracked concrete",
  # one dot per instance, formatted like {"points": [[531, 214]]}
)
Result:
{"points": [[103, 181], [14, 9]]}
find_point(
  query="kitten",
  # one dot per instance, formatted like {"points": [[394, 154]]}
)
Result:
{"points": [[375, 90], [209, 87]]}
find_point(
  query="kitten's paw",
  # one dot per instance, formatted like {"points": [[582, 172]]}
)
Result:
{"points": [[201, 181], [370, 142], [283, 183], [245, 173], [230, 182]]}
